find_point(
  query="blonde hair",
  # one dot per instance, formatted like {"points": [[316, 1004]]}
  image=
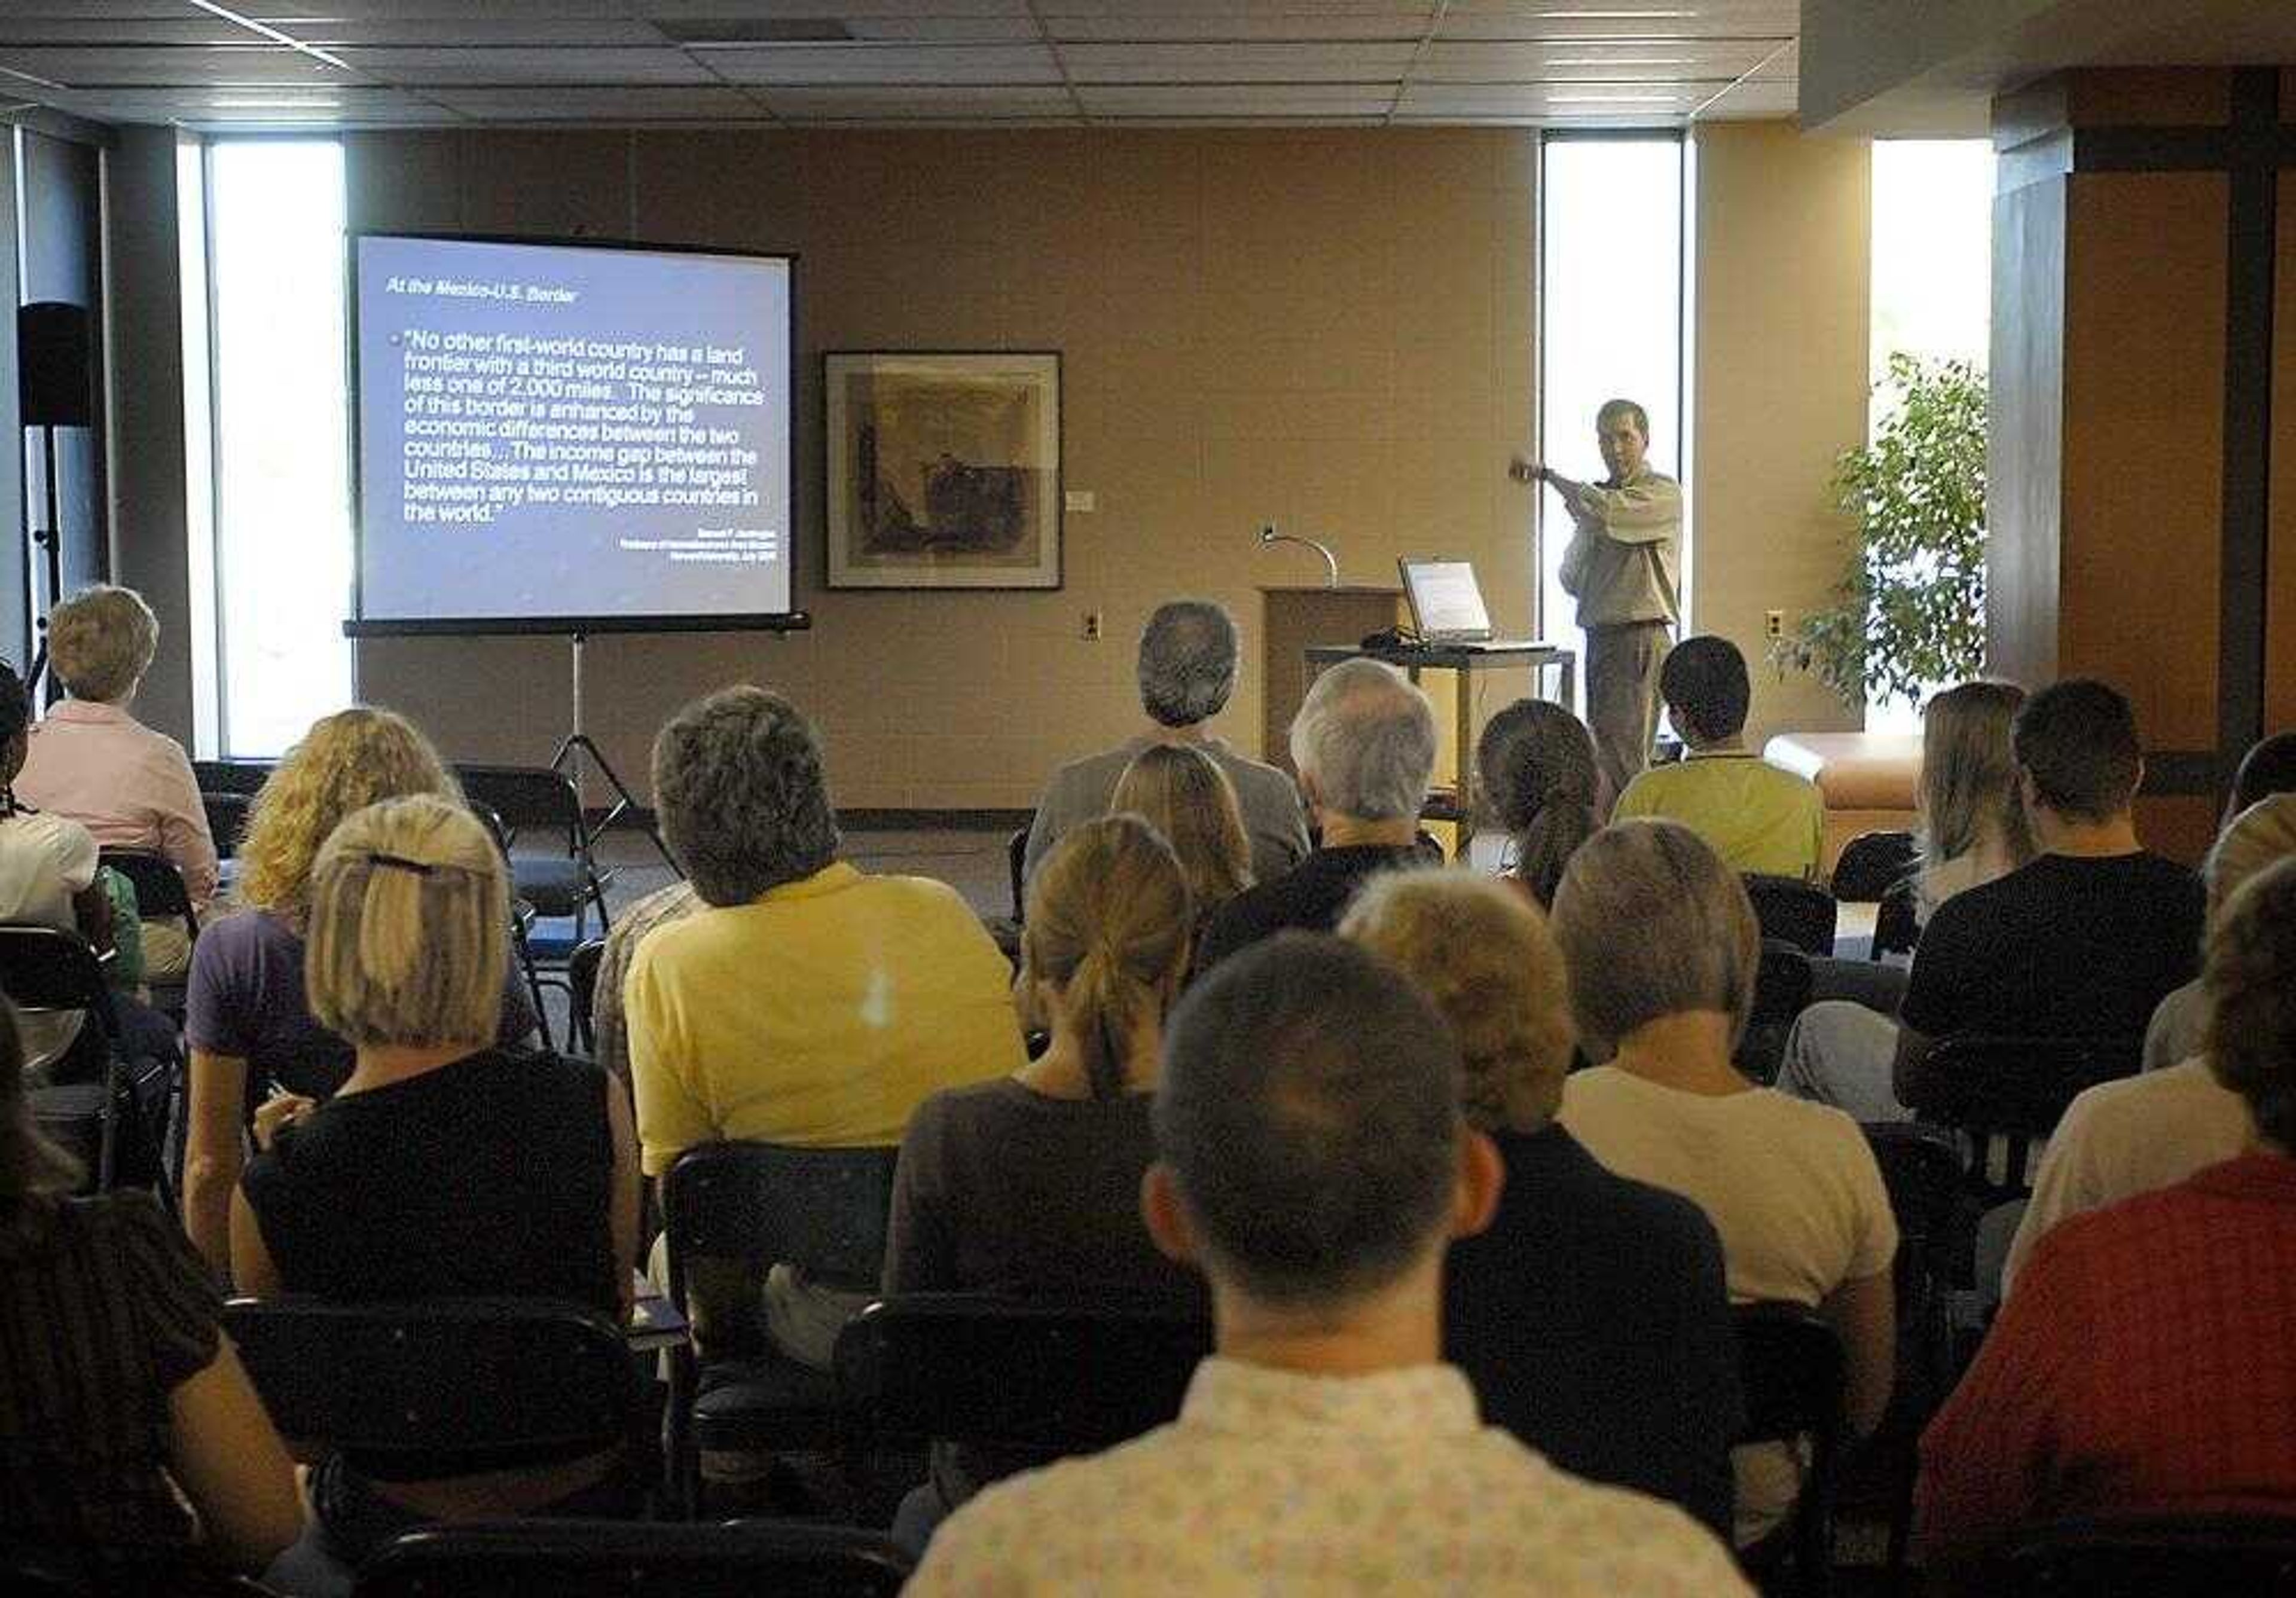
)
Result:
{"points": [[410, 916], [1969, 774], [346, 762], [1183, 794], [1653, 923], [2259, 836], [1107, 932], [1485, 955], [102, 640]]}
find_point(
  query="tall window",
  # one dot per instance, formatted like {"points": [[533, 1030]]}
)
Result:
{"points": [[1932, 280], [283, 567], [1611, 326]]}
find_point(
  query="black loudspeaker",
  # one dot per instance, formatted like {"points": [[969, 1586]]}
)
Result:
{"points": [[54, 372]]}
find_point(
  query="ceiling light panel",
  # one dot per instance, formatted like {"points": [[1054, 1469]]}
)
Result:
{"points": [[1237, 62], [887, 63]]}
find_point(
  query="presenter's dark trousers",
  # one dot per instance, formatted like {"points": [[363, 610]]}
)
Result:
{"points": [[1622, 662]]}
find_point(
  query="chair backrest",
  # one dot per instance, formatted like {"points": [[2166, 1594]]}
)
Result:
{"points": [[1921, 1168], [825, 1210], [1794, 1375], [1782, 989], [615, 1559], [1059, 1377], [1792, 911], [582, 978], [2016, 1088], [1897, 921], [47, 969], [1016, 863], [226, 820], [479, 1379], [244, 777], [525, 797], [159, 886], [2152, 1556], [1872, 863]]}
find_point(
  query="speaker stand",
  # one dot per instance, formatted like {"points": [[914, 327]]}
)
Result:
{"points": [[568, 759], [49, 537]]}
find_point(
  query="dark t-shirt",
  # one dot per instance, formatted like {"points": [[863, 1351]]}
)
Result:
{"points": [[2060, 948], [1593, 1318], [102, 1315], [1311, 897], [1004, 1190], [245, 1000]]}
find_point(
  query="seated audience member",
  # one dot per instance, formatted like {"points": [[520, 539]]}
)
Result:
{"points": [[807, 1003], [2082, 941], [2120, 1139], [1973, 830], [1756, 816], [1187, 671], [2146, 1363], [92, 761], [2268, 767], [1591, 1314], [1183, 793], [1536, 763], [609, 1030], [1312, 1162], [247, 1020], [133, 1432], [2250, 841], [1030, 1185], [444, 1168], [1661, 948], [1364, 743]]}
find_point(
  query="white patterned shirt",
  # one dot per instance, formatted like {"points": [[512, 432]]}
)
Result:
{"points": [[1274, 1482]]}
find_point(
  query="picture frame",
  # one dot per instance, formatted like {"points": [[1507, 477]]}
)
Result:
{"points": [[943, 469]]}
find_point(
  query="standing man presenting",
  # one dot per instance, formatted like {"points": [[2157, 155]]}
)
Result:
{"points": [[1622, 566]]}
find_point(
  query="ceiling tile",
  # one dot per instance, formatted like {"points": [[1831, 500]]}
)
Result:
{"points": [[1621, 19], [806, 104], [1237, 62], [887, 63], [79, 68], [406, 66], [576, 104], [175, 27], [1178, 25], [1751, 101], [1235, 100], [1452, 62]]}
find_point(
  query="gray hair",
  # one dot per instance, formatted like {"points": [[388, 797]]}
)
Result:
{"points": [[1653, 923], [739, 791], [1187, 662], [1365, 736], [102, 640]]}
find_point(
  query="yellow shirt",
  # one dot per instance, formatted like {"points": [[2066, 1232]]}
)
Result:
{"points": [[822, 1013], [1758, 818]]}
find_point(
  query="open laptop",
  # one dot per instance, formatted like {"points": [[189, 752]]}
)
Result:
{"points": [[1447, 604]]}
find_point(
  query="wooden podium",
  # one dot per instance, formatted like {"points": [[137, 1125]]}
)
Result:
{"points": [[1290, 620]]}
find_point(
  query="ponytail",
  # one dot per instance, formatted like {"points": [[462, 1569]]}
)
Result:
{"points": [[1543, 849], [1106, 934]]}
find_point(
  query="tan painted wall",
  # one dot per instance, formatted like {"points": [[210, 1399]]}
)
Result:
{"points": [[1784, 286], [1329, 328]]}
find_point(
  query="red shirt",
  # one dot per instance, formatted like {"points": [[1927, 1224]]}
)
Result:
{"points": [[2146, 1363]]}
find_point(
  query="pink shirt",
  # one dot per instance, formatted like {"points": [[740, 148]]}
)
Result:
{"points": [[131, 787]]}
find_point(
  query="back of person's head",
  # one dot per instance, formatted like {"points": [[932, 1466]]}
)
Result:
{"points": [[1969, 774], [409, 927], [1706, 689], [1536, 763], [1107, 933], [1490, 964], [2076, 741], [346, 762], [2251, 982], [2260, 836], [1183, 794], [1653, 923], [36, 1174], [102, 640], [2268, 767], [1187, 662], [1308, 1120], [739, 790], [1365, 741], [15, 722]]}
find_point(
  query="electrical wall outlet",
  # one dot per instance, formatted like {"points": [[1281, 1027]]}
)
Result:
{"points": [[1092, 627], [1773, 624], [1081, 500]]}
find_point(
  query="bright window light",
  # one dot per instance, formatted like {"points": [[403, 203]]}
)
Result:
{"points": [[283, 446]]}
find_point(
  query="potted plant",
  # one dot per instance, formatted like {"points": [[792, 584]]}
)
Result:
{"points": [[1908, 613]]}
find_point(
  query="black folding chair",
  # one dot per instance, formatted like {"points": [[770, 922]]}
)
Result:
{"points": [[582, 980], [1871, 865], [489, 1381], [1795, 911], [226, 821], [242, 777], [619, 1559], [48, 971], [1793, 1374], [1016, 860], [536, 803], [2152, 1556], [822, 1211], [521, 937], [1044, 1379], [159, 892], [1781, 986], [1897, 923], [2006, 1095]]}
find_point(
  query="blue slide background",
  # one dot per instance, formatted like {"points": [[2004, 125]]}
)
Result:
{"points": [[539, 563]]}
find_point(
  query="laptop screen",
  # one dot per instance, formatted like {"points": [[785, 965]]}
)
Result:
{"points": [[1444, 599]]}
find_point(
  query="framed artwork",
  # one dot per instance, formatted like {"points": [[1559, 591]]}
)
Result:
{"points": [[944, 469]]}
